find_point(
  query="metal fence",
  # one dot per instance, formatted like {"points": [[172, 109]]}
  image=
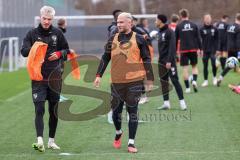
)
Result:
{"points": [[17, 17], [22, 12]]}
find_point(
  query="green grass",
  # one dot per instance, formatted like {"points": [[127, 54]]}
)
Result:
{"points": [[12, 83], [209, 130]]}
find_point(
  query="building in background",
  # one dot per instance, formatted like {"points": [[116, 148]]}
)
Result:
{"points": [[88, 36]]}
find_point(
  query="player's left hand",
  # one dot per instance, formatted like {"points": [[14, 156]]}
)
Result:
{"points": [[148, 85], [168, 65], [97, 82]]}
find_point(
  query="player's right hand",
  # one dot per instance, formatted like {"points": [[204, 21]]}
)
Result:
{"points": [[97, 82], [54, 56]]}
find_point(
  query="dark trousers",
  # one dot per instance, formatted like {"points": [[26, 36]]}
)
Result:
{"points": [[205, 59], [53, 120], [164, 75], [42, 91], [129, 93]]}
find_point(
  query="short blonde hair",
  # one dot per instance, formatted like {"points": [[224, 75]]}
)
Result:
{"points": [[127, 15], [47, 10]]}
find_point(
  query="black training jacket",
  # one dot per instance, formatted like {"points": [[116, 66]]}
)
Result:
{"points": [[222, 33], [233, 38], [56, 42], [209, 35], [188, 34], [166, 45]]}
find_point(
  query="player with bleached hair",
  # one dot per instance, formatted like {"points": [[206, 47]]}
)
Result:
{"points": [[209, 35], [130, 63], [48, 85]]}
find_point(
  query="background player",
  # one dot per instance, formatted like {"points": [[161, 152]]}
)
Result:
{"points": [[233, 44], [167, 62], [190, 44], [222, 40], [209, 35]]}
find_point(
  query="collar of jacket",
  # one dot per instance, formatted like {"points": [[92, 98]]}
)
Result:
{"points": [[64, 30], [124, 38], [208, 26], [44, 31], [164, 28], [126, 35]]}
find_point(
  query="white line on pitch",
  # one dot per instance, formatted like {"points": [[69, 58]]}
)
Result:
{"points": [[18, 95], [114, 153]]}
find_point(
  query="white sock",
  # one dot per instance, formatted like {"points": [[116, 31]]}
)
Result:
{"points": [[40, 140], [144, 95], [131, 141], [194, 82], [221, 77], [119, 131], [50, 140], [167, 103], [182, 102]]}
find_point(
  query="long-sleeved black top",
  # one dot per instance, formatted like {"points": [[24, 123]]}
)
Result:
{"points": [[166, 45], [233, 38], [56, 42], [188, 34], [209, 35], [222, 33]]}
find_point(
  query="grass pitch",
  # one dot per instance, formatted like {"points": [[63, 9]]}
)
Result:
{"points": [[209, 130]]}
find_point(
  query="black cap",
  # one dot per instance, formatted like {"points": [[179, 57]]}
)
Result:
{"points": [[116, 11], [162, 17]]}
